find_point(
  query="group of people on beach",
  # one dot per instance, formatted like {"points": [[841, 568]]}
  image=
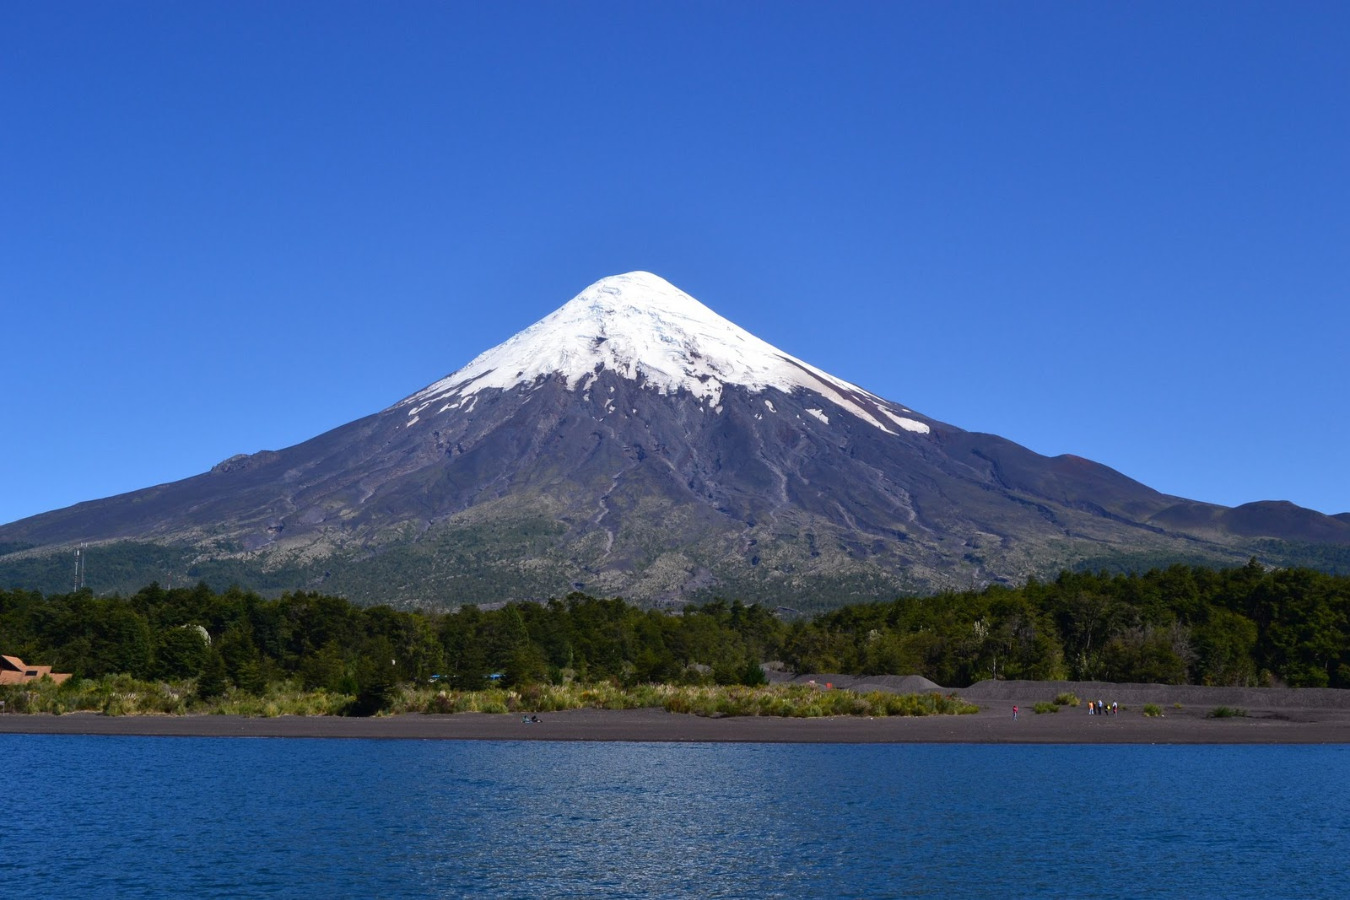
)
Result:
{"points": [[1094, 707]]}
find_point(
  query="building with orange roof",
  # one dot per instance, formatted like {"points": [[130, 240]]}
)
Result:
{"points": [[15, 671]]}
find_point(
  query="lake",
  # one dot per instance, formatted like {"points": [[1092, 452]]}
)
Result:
{"points": [[229, 817]]}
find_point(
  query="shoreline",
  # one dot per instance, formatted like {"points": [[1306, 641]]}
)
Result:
{"points": [[992, 725], [1274, 716]]}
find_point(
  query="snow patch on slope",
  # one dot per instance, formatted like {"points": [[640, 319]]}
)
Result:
{"points": [[644, 328]]}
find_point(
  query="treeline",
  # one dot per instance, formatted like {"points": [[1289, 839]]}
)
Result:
{"points": [[1179, 625], [239, 638], [1245, 626]]}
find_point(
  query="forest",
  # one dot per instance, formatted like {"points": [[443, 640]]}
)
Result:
{"points": [[1241, 626]]}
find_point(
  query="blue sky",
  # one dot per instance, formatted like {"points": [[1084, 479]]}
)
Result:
{"points": [[1115, 230]]}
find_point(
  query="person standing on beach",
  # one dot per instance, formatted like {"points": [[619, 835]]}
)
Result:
{"points": [[1014, 712]]}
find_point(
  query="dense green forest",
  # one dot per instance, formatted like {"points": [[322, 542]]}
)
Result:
{"points": [[1244, 626], [1180, 625]]}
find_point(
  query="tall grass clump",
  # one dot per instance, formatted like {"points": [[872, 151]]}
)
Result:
{"points": [[794, 701], [122, 695], [279, 699], [112, 695], [1153, 710], [1067, 699], [1226, 712]]}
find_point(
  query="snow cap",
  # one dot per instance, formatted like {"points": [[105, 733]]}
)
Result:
{"points": [[642, 327]]}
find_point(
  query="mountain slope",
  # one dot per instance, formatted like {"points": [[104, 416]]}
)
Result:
{"points": [[636, 443]]}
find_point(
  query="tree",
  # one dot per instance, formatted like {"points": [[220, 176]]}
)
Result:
{"points": [[242, 660], [1147, 654], [377, 677], [212, 681], [1087, 620], [325, 669], [525, 665], [752, 673], [1223, 649], [182, 651]]}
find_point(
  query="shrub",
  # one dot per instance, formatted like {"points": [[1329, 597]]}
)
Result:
{"points": [[1153, 710], [17, 699], [752, 674], [1046, 706], [1226, 712], [1067, 699]]}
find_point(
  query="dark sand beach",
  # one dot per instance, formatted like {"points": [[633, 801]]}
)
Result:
{"points": [[1274, 716]]}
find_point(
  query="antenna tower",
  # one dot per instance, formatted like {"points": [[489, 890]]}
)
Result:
{"points": [[79, 567]]}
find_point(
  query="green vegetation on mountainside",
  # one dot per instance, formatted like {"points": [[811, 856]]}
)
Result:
{"points": [[489, 559]]}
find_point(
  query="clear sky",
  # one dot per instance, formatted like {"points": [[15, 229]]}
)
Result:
{"points": [[1120, 230]]}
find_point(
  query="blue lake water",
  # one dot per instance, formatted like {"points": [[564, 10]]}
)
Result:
{"points": [[229, 817]]}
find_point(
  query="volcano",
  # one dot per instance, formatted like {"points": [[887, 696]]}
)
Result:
{"points": [[635, 443]]}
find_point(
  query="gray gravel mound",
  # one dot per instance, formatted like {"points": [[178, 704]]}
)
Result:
{"points": [[1162, 694], [895, 684], [1029, 692]]}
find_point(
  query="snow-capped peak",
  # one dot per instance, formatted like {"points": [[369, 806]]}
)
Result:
{"points": [[642, 327]]}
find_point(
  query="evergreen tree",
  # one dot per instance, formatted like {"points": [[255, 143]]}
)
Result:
{"points": [[212, 681]]}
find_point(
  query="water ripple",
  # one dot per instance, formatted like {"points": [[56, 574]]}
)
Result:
{"points": [[151, 817]]}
